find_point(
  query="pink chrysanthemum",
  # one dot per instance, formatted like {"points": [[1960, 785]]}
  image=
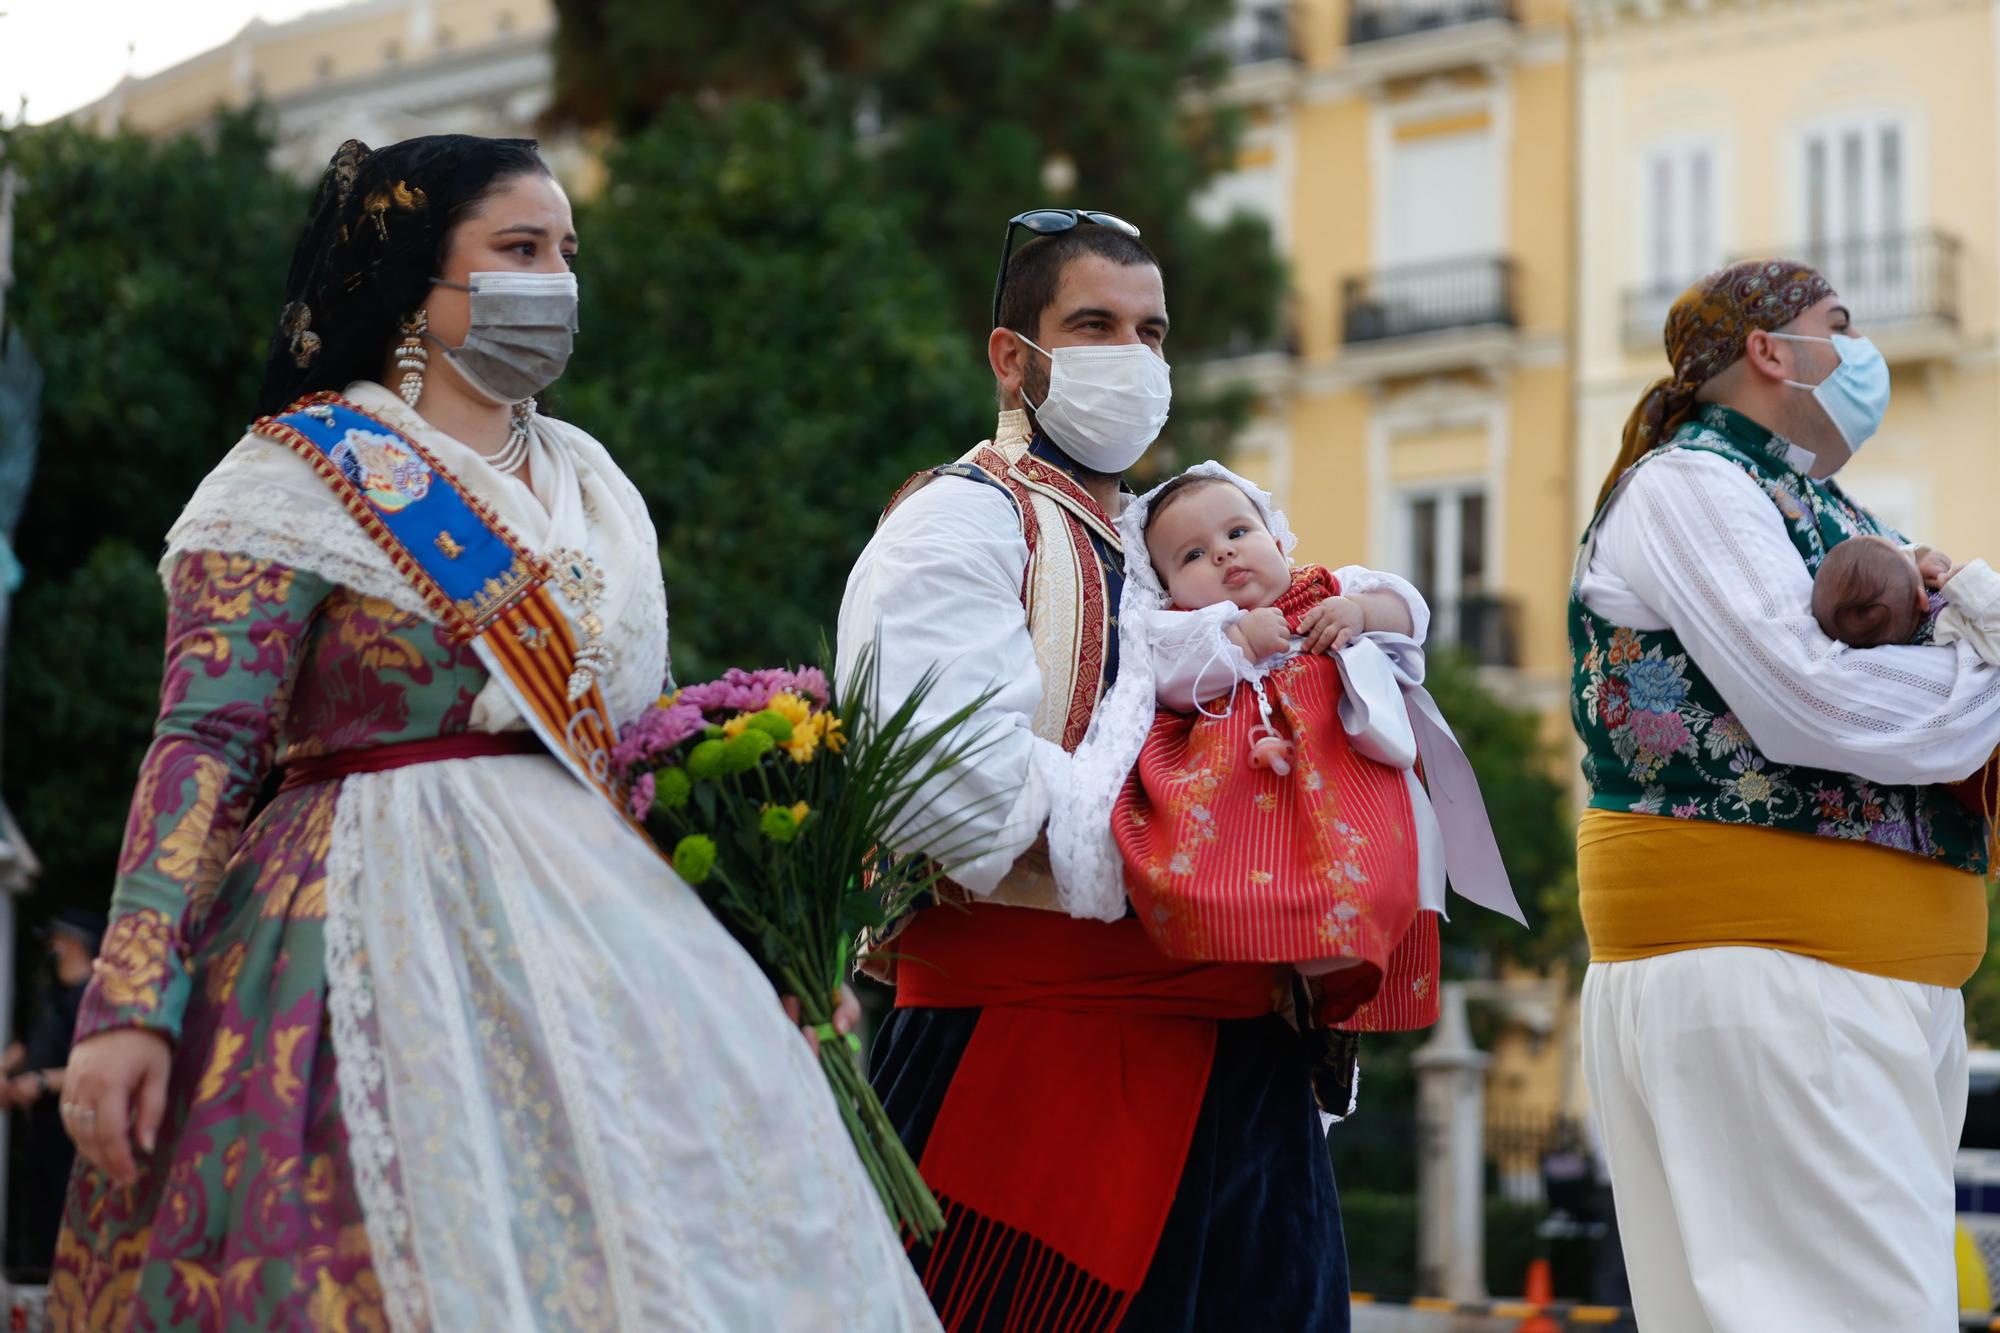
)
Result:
{"points": [[642, 796]]}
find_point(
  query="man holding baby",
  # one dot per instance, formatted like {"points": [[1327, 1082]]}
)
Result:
{"points": [[1782, 890], [1119, 1139]]}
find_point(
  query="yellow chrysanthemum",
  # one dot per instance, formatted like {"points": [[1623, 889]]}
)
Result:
{"points": [[735, 726], [799, 811], [790, 707], [804, 742], [831, 736]]}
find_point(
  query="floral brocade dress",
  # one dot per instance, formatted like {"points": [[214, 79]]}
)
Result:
{"points": [[1230, 862], [452, 1047]]}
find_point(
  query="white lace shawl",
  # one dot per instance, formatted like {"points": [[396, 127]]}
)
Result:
{"points": [[265, 502]]}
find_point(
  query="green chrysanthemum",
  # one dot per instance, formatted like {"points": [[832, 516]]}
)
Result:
{"points": [[694, 857], [705, 760], [741, 753], [778, 825], [773, 724], [672, 787]]}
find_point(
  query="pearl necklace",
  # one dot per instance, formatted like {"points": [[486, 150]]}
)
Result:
{"points": [[515, 452]]}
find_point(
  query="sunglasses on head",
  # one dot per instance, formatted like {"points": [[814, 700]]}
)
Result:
{"points": [[1049, 222]]}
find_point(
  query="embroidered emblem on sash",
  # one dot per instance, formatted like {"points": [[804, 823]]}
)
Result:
{"points": [[385, 469], [480, 583]]}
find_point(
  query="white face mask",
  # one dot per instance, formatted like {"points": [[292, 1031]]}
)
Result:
{"points": [[1104, 404], [519, 334]]}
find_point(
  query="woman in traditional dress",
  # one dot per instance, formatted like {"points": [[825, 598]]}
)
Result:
{"points": [[435, 1039]]}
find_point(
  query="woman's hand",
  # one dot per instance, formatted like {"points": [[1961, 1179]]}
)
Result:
{"points": [[115, 1089], [846, 1016], [1261, 633], [1332, 625]]}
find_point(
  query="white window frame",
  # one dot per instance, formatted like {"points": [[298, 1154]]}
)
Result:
{"points": [[1447, 596], [1680, 149], [1496, 100], [1912, 174]]}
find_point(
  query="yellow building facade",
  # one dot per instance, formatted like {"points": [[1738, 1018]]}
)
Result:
{"points": [[376, 70], [1861, 136], [1415, 160]]}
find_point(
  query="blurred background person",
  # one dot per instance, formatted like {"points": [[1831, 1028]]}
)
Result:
{"points": [[33, 1066]]}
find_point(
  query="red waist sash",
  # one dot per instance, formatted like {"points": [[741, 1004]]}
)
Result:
{"points": [[1061, 1141], [305, 771]]}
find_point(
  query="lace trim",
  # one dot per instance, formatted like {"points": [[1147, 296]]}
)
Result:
{"points": [[1083, 853], [545, 1002], [360, 1072], [302, 532], [1360, 578]]}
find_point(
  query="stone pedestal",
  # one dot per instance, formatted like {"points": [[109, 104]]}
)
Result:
{"points": [[1451, 1134]]}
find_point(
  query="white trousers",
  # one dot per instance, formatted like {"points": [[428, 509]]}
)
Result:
{"points": [[1780, 1133]]}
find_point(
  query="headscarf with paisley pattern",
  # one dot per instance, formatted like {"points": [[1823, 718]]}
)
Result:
{"points": [[373, 240], [1704, 337]]}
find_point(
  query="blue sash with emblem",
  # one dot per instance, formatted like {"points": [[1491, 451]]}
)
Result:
{"points": [[473, 574]]}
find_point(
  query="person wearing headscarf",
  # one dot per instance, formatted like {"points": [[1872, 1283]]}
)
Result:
{"points": [[1782, 896], [434, 1038]]}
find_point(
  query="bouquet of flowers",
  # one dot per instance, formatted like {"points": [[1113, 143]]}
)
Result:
{"points": [[778, 802]]}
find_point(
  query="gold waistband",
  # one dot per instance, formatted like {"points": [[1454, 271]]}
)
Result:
{"points": [[1649, 885]]}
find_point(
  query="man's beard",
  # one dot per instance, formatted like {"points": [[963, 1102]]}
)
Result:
{"points": [[1035, 389]]}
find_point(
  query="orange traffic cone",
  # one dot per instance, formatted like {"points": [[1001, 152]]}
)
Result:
{"points": [[1538, 1290]]}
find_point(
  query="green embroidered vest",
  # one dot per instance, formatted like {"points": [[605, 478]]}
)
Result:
{"points": [[1659, 739]]}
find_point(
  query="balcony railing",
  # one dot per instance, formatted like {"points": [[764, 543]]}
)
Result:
{"points": [[1893, 278], [1482, 627], [1887, 281], [1261, 32], [1646, 309], [1427, 298], [1380, 20]]}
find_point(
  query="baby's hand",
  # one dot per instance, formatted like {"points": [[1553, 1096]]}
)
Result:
{"points": [[1332, 625], [1935, 567], [1261, 633]]}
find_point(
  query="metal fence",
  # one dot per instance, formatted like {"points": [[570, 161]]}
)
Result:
{"points": [[1893, 278], [1886, 280], [1484, 628], [1379, 20], [1427, 298], [1261, 33]]}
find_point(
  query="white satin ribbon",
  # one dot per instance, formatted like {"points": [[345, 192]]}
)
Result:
{"points": [[1390, 717]]}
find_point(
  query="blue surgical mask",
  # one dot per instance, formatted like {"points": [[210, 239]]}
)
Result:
{"points": [[1856, 395]]}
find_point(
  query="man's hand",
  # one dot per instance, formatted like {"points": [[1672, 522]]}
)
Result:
{"points": [[846, 1016], [24, 1090], [1332, 625], [1261, 633]]}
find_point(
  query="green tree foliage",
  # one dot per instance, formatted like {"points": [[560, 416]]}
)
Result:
{"points": [[1520, 776], [1982, 993], [770, 360], [968, 111], [149, 274], [988, 94]]}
